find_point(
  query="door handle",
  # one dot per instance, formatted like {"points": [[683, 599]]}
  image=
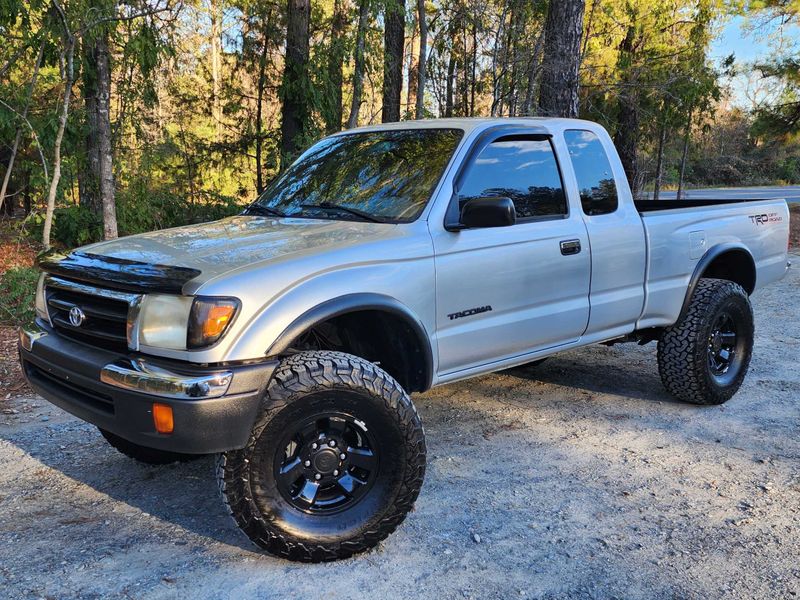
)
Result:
{"points": [[570, 247]]}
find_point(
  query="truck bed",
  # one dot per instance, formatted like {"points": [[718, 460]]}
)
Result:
{"points": [[678, 239]]}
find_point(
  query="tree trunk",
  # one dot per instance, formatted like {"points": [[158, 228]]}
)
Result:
{"points": [[473, 78], [393, 40], [513, 51], [333, 118], [18, 135], [451, 72], [422, 60], [107, 192], [216, 68], [67, 76], [295, 111], [262, 81], [558, 94], [89, 178], [26, 191], [686, 135], [588, 33], [358, 68], [412, 72], [533, 74], [627, 141], [659, 162], [495, 77], [465, 78], [99, 183], [506, 57], [626, 137]]}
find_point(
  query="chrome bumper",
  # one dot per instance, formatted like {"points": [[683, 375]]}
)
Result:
{"points": [[137, 375]]}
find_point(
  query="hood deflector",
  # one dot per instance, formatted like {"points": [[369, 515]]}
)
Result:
{"points": [[117, 273]]}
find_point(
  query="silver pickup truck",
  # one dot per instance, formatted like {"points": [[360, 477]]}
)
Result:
{"points": [[386, 260]]}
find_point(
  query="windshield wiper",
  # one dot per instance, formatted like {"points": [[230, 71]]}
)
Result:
{"points": [[364, 216], [260, 209]]}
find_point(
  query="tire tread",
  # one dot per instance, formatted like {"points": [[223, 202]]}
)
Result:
{"points": [[678, 366], [302, 374]]}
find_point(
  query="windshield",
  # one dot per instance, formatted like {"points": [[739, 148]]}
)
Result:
{"points": [[382, 176]]}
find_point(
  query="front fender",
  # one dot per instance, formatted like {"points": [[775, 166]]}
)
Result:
{"points": [[403, 288]]}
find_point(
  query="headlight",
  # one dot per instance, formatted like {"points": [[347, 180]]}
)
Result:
{"points": [[181, 322], [41, 301], [163, 320]]}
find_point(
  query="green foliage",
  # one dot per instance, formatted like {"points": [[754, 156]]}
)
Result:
{"points": [[187, 129], [783, 118], [76, 226], [140, 209], [72, 226], [17, 295]]}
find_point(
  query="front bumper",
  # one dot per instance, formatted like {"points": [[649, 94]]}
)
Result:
{"points": [[214, 408]]}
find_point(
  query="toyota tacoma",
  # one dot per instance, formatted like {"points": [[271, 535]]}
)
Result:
{"points": [[384, 261]]}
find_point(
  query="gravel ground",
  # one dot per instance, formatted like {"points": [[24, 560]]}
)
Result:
{"points": [[577, 478]]}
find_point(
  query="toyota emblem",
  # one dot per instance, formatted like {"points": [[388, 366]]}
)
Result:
{"points": [[76, 316]]}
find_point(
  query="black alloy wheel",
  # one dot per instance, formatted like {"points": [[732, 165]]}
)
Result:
{"points": [[327, 463], [703, 358], [722, 346], [335, 460]]}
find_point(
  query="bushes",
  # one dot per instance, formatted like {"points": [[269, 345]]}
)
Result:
{"points": [[17, 295], [139, 209]]}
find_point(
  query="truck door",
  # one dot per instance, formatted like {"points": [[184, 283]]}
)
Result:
{"points": [[503, 292], [616, 232]]}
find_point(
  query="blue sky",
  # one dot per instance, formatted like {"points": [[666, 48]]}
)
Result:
{"points": [[752, 42], [739, 37]]}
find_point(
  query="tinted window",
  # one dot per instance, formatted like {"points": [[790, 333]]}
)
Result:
{"points": [[593, 172], [388, 175], [522, 169]]}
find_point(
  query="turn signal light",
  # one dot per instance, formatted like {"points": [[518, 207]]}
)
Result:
{"points": [[162, 418], [209, 319]]}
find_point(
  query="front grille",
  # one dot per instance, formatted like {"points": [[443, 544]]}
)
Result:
{"points": [[105, 318], [69, 390]]}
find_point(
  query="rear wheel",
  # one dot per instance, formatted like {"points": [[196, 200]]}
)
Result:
{"points": [[335, 461], [704, 357]]}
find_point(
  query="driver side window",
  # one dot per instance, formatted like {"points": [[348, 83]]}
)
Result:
{"points": [[522, 168]]}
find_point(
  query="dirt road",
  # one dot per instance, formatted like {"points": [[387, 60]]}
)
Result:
{"points": [[578, 478]]}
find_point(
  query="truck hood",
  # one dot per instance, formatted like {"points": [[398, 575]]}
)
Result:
{"points": [[223, 246]]}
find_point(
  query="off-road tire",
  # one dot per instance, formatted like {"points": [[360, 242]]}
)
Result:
{"points": [[143, 454], [303, 385], [683, 348]]}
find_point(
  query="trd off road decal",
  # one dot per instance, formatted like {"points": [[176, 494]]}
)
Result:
{"points": [[765, 218], [469, 312]]}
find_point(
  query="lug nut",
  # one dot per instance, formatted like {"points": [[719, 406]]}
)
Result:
{"points": [[332, 443], [342, 456], [335, 472], [314, 446], [307, 463], [317, 476]]}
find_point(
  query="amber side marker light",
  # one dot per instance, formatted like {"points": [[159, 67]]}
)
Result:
{"points": [[162, 418], [208, 320]]}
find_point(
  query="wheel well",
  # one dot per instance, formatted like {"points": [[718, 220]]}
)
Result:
{"points": [[734, 265], [375, 335]]}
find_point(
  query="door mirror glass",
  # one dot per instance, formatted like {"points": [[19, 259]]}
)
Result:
{"points": [[487, 211]]}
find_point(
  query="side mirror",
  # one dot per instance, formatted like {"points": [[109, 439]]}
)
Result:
{"points": [[490, 211]]}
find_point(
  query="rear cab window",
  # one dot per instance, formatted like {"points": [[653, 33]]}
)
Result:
{"points": [[592, 171], [522, 168]]}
